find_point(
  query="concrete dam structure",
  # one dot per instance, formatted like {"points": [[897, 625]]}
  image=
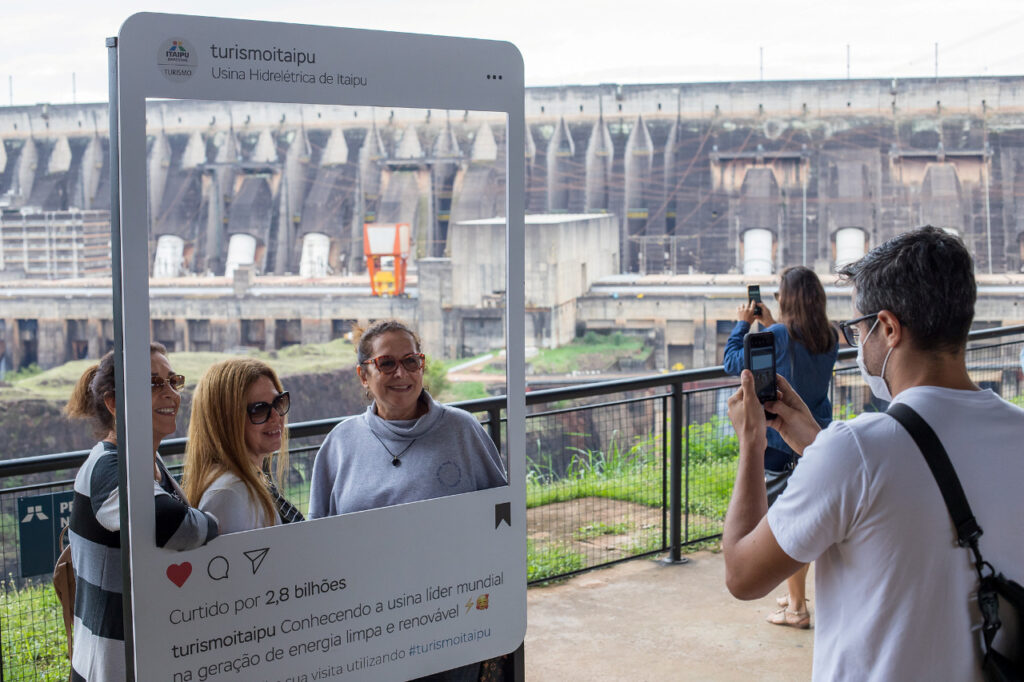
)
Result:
{"points": [[673, 191], [707, 178]]}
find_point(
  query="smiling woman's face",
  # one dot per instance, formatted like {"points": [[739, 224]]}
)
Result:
{"points": [[263, 439], [396, 394], [165, 399]]}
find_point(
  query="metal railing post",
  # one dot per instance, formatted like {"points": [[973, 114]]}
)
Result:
{"points": [[676, 476]]}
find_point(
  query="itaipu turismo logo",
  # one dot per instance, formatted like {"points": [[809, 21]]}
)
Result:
{"points": [[177, 60]]}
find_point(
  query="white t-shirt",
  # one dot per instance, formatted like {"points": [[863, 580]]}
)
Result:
{"points": [[896, 596], [228, 499]]}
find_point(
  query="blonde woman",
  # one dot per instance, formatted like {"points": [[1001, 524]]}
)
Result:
{"points": [[238, 423]]}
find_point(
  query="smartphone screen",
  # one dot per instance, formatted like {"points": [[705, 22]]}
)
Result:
{"points": [[754, 294], [762, 364], [759, 358]]}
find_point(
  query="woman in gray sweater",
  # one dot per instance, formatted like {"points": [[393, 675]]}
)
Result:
{"points": [[406, 447]]}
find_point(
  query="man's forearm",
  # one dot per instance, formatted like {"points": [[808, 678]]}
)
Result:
{"points": [[749, 501]]}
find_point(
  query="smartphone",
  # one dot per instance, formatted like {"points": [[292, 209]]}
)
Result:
{"points": [[754, 294], [759, 358]]}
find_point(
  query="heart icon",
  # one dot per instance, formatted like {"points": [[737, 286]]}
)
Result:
{"points": [[179, 573]]}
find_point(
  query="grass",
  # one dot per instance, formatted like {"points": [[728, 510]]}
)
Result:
{"points": [[57, 383], [464, 390], [550, 559], [598, 528], [34, 646], [592, 352]]}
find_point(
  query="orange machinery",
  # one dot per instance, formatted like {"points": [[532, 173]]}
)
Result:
{"points": [[386, 247]]}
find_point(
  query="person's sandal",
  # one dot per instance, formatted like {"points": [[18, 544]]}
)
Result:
{"points": [[783, 601], [793, 619]]}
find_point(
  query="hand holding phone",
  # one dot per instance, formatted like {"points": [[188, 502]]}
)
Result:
{"points": [[754, 294], [759, 358]]}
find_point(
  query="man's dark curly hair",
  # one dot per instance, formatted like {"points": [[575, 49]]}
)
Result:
{"points": [[925, 278]]}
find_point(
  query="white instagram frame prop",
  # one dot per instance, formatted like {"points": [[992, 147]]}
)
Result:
{"points": [[386, 594]]}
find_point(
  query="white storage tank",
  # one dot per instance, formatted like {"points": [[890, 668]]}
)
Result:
{"points": [[316, 248], [851, 245], [170, 256], [241, 251], [757, 251]]}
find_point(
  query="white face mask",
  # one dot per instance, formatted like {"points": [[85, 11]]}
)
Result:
{"points": [[876, 383]]}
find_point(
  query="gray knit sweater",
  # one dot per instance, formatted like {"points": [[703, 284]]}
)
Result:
{"points": [[448, 453]]}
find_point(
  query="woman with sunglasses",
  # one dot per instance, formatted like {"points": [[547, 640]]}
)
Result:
{"points": [[406, 446], [95, 526], [237, 424], [806, 347]]}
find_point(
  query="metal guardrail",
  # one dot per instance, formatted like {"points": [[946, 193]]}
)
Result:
{"points": [[615, 470]]}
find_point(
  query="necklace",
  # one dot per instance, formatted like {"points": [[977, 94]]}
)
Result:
{"points": [[395, 459]]}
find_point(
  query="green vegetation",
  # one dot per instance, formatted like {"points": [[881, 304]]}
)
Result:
{"points": [[23, 373], [57, 383], [435, 378], [34, 644], [544, 560], [594, 352], [598, 528], [464, 390], [634, 474]]}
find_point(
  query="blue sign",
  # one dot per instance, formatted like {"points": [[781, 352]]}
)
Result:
{"points": [[41, 518]]}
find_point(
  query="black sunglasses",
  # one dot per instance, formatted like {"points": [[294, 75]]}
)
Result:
{"points": [[851, 332], [388, 364], [259, 413], [175, 381]]}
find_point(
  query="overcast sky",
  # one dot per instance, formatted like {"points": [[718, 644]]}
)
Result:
{"points": [[569, 41]]}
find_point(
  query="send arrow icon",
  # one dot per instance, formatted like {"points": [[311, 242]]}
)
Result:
{"points": [[256, 557]]}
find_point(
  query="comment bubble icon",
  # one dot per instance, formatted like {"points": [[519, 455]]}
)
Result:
{"points": [[217, 569]]}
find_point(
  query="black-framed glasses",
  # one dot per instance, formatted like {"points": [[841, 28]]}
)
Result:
{"points": [[175, 381], [259, 413], [388, 364], [851, 332]]}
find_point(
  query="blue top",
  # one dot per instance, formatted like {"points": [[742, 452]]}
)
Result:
{"points": [[808, 373]]}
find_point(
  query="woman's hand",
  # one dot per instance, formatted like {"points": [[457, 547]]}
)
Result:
{"points": [[746, 313], [747, 415], [765, 318], [793, 420]]}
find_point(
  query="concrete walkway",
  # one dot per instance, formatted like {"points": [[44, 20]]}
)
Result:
{"points": [[642, 620]]}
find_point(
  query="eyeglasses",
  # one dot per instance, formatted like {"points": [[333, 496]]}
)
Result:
{"points": [[388, 364], [851, 332], [259, 413], [175, 381]]}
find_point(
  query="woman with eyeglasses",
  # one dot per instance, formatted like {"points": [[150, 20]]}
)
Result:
{"points": [[95, 527], [237, 424], [406, 446], [806, 347]]}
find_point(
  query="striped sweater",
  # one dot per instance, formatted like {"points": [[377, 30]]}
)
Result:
{"points": [[96, 553]]}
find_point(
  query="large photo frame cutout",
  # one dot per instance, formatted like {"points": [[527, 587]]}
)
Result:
{"points": [[391, 593]]}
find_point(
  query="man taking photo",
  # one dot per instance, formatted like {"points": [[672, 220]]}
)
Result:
{"points": [[896, 595]]}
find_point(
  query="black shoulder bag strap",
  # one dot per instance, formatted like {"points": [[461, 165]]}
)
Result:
{"points": [[967, 529]]}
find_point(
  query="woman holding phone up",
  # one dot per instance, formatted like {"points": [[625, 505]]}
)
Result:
{"points": [[806, 345]]}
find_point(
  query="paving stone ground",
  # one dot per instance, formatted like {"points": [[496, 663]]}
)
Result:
{"points": [[642, 620]]}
